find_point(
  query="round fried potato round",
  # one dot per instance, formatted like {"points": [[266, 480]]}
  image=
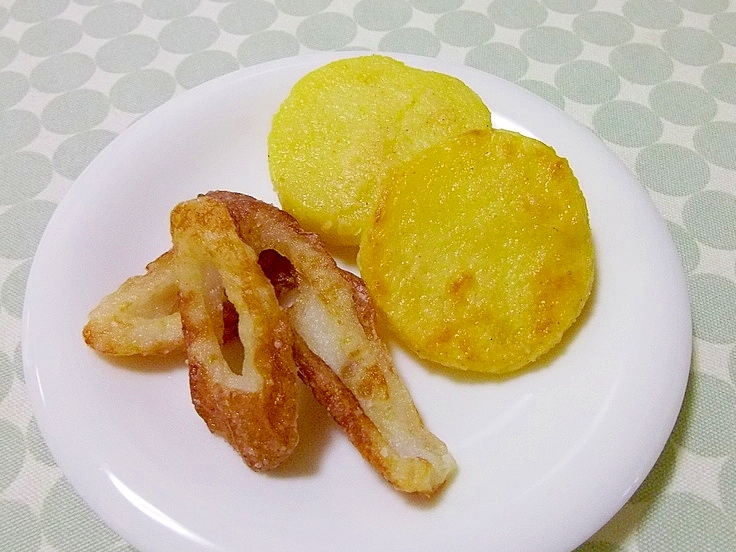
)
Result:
{"points": [[479, 254], [345, 124]]}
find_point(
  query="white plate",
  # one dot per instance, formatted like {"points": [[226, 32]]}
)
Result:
{"points": [[545, 458]]}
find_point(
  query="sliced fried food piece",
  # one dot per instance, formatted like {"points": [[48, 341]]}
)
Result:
{"points": [[256, 408], [141, 317], [338, 351], [480, 253], [345, 124]]}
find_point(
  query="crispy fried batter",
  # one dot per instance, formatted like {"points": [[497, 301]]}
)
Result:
{"points": [[256, 409], [338, 351], [141, 317]]}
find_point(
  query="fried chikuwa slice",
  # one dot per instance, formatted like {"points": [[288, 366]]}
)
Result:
{"points": [[141, 317], [256, 408], [338, 352]]}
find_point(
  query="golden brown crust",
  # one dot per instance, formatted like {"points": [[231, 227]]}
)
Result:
{"points": [[256, 409], [141, 317], [338, 352]]}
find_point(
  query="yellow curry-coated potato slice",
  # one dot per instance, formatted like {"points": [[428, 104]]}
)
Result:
{"points": [[479, 254], [345, 124]]}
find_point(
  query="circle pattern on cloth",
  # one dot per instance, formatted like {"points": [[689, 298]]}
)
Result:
{"points": [[723, 27], [692, 46], [587, 82], [247, 17], [14, 452], [8, 50], [627, 124], [706, 7], [35, 442], [652, 14], [550, 45], [301, 7], [75, 111], [18, 128], [410, 40], [187, 35], [716, 141], [436, 6], [29, 167], [19, 528], [112, 20], [33, 11], [127, 53], [382, 15], [62, 72], [641, 63], [13, 290], [326, 31], [267, 46], [710, 216], [570, 6], [682, 103], [545, 91], [65, 55], [203, 66], [13, 87], [76, 152], [677, 522], [169, 9], [687, 247], [69, 525], [50, 37], [671, 169], [720, 80], [21, 227], [502, 60], [142, 91], [727, 487], [464, 28], [603, 28], [517, 14], [714, 310]]}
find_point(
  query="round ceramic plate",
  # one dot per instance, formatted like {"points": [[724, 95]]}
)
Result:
{"points": [[545, 457]]}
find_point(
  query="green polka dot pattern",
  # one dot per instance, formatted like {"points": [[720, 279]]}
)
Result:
{"points": [[654, 79]]}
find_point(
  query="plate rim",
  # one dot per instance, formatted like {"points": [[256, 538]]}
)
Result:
{"points": [[304, 60]]}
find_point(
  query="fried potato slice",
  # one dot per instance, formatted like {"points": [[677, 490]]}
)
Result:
{"points": [[345, 124], [141, 317], [480, 253], [338, 351], [256, 408]]}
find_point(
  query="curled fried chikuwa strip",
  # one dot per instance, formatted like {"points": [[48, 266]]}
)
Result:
{"points": [[141, 317], [256, 409], [338, 352]]}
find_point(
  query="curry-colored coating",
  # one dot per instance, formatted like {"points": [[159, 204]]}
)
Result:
{"points": [[480, 253], [344, 125]]}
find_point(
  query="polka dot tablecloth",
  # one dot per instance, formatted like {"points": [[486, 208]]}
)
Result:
{"points": [[655, 79]]}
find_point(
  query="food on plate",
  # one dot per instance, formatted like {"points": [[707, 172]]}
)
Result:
{"points": [[479, 253], [141, 317], [344, 125], [338, 352], [254, 404], [241, 267]]}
